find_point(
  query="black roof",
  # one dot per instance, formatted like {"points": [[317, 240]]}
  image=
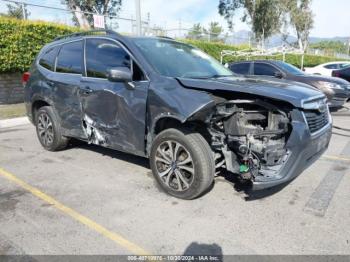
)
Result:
{"points": [[79, 35], [84, 33], [100, 32]]}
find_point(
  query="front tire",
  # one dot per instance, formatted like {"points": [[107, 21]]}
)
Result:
{"points": [[182, 163], [48, 130]]}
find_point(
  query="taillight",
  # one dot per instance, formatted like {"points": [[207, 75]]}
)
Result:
{"points": [[25, 78]]}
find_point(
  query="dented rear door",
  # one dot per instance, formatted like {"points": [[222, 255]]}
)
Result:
{"points": [[65, 83]]}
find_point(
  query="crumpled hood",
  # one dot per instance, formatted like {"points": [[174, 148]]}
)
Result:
{"points": [[278, 89]]}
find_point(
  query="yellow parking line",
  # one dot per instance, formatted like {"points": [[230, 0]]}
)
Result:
{"points": [[336, 158], [135, 249]]}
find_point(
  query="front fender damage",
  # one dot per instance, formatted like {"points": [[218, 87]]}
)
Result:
{"points": [[247, 133]]}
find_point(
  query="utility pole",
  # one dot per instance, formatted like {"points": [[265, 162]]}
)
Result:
{"points": [[148, 23], [180, 29], [138, 17], [250, 41], [349, 47], [24, 11]]}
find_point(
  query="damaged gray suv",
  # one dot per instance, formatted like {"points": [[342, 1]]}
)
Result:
{"points": [[168, 101]]}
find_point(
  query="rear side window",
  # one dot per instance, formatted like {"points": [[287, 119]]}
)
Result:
{"points": [[264, 69], [48, 58], [331, 66], [103, 54], [69, 59], [242, 68]]}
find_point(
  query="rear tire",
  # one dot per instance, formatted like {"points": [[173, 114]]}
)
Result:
{"points": [[48, 130], [182, 163]]}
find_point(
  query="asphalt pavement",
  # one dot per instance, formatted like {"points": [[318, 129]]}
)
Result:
{"points": [[91, 200]]}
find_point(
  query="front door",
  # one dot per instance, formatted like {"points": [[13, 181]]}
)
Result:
{"points": [[113, 113]]}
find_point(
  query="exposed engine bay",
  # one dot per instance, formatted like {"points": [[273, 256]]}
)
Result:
{"points": [[251, 135]]}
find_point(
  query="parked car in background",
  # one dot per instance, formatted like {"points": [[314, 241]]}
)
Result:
{"points": [[327, 68], [337, 90], [171, 102], [342, 73]]}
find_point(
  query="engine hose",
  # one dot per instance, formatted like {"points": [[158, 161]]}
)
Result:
{"points": [[341, 128]]}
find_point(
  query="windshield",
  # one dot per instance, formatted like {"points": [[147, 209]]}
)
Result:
{"points": [[174, 59], [289, 68]]}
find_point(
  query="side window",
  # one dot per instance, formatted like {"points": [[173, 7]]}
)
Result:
{"points": [[331, 66], [103, 54], [137, 73], [242, 68], [69, 59], [343, 65], [264, 69], [48, 58]]}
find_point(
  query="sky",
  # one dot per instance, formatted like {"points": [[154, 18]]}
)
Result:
{"points": [[331, 16]]}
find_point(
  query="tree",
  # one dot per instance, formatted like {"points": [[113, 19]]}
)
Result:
{"points": [[264, 16], [102, 7], [301, 19], [214, 30], [227, 9], [195, 32], [17, 11]]}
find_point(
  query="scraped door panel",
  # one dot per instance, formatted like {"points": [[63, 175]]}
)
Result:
{"points": [[114, 115], [113, 112]]}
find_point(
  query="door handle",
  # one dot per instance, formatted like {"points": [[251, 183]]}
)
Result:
{"points": [[86, 90]]}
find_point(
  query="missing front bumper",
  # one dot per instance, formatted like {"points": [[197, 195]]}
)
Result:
{"points": [[305, 149]]}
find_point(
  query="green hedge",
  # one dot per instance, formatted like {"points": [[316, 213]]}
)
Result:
{"points": [[309, 60], [214, 49], [20, 41]]}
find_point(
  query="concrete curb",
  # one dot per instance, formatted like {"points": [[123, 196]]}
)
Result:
{"points": [[18, 121]]}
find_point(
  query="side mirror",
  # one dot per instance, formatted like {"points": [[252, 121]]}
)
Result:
{"points": [[119, 74], [279, 74]]}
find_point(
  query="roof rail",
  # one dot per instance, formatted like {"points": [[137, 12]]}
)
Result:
{"points": [[90, 32]]}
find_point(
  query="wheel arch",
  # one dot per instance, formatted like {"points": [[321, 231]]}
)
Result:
{"points": [[37, 103], [164, 122]]}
